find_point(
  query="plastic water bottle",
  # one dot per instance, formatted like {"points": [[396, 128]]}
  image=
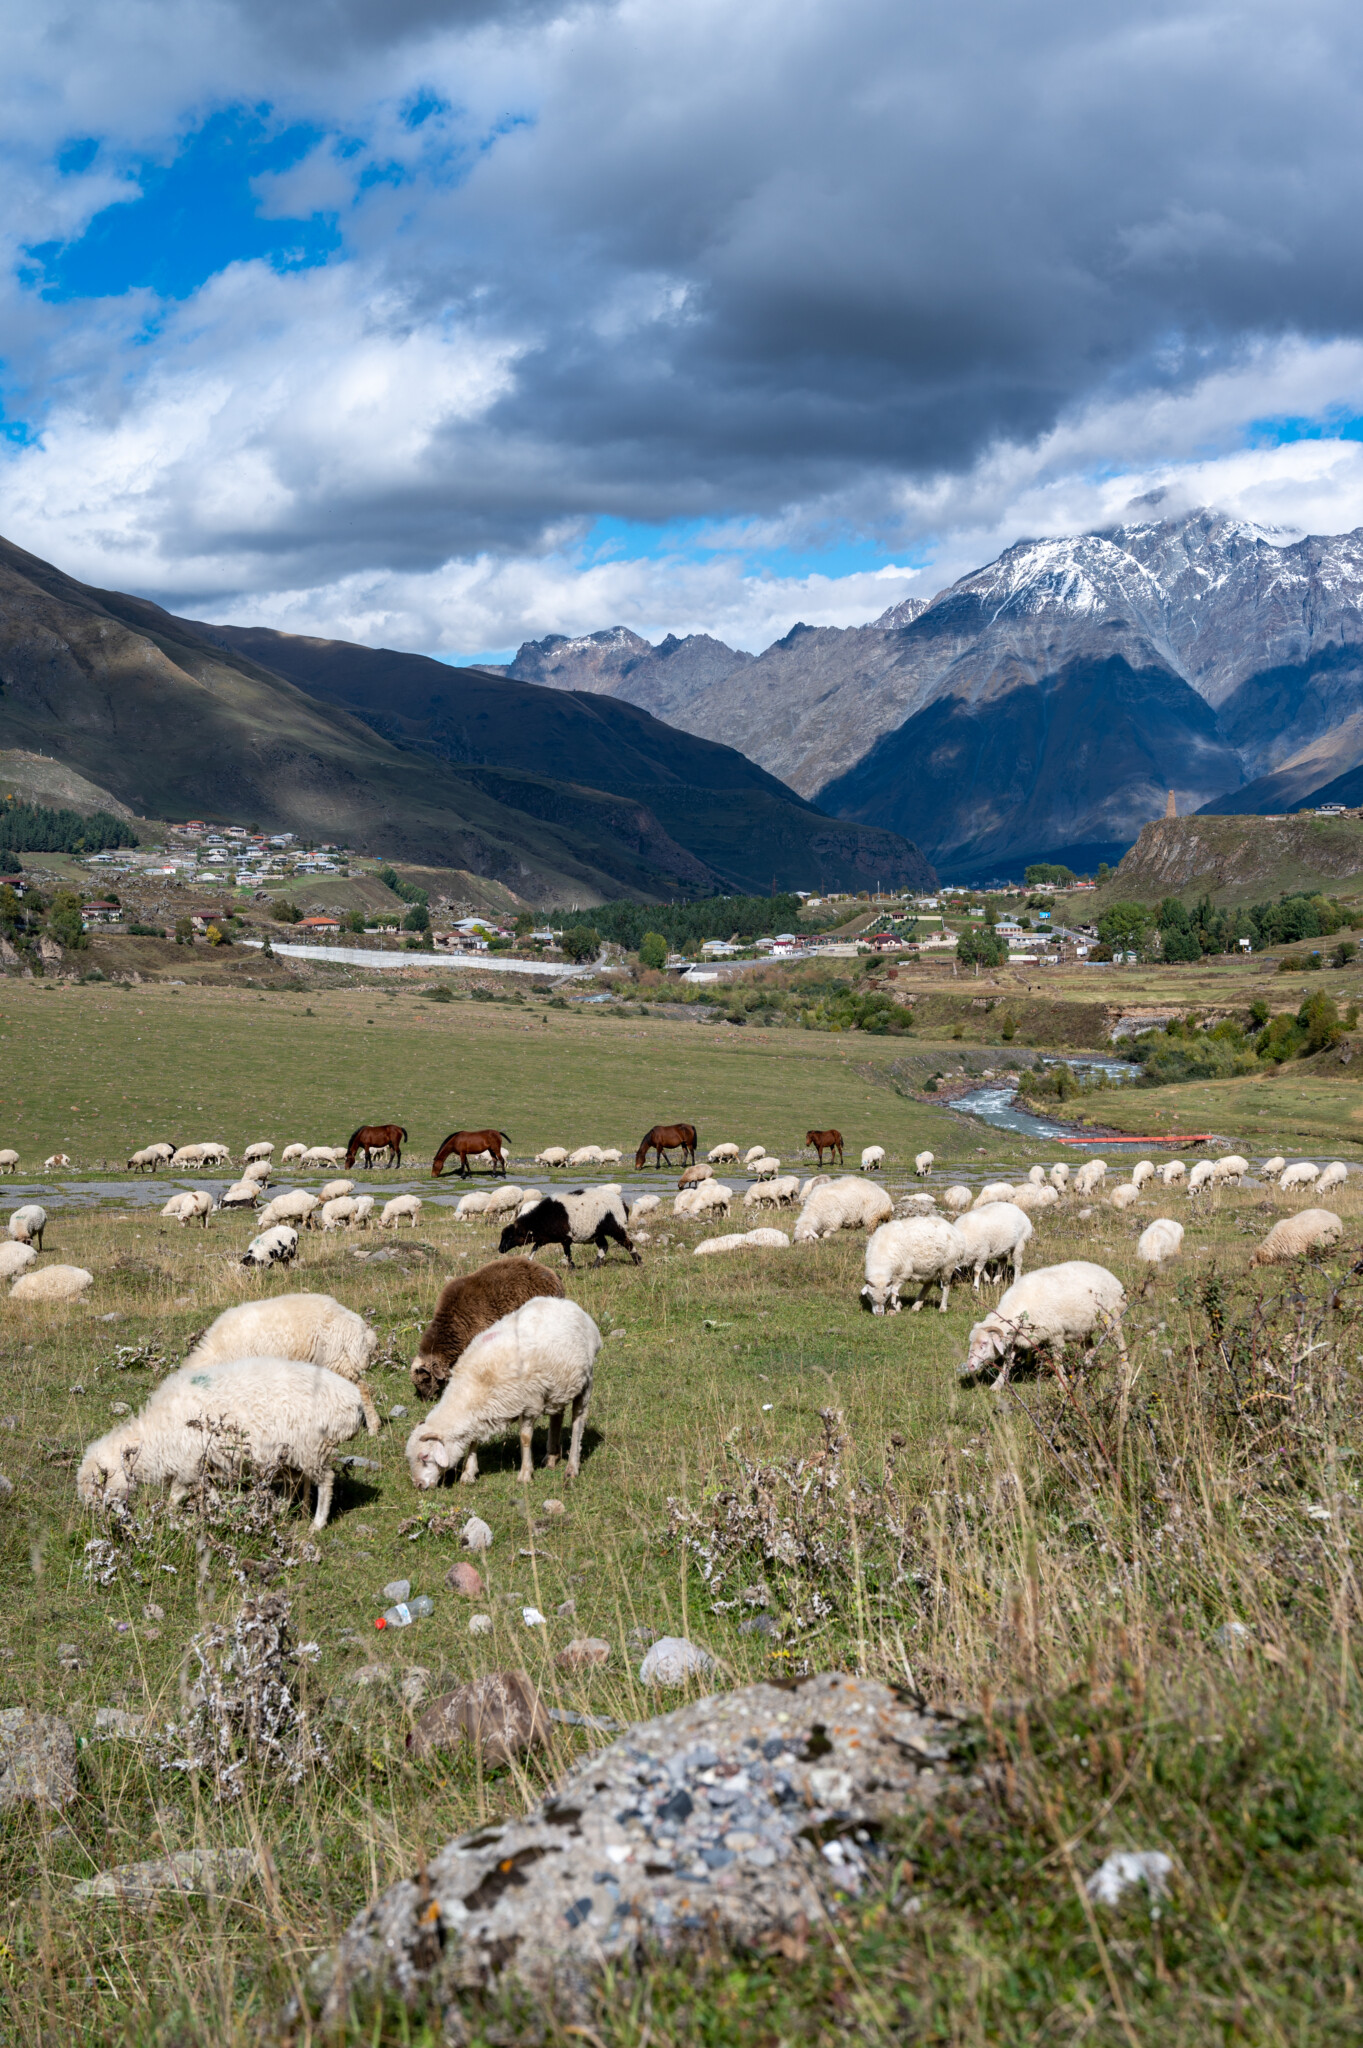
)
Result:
{"points": [[404, 1612]]}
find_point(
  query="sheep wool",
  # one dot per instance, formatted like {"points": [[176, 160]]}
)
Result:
{"points": [[1077, 1302], [1172, 1170], [297, 1207], [277, 1246], [267, 1415], [1036, 1175], [994, 1191], [923, 1164], [781, 1193], [1060, 1177], [1308, 1231], [644, 1205], [333, 1189], [754, 1152], [537, 1360], [848, 1204], [26, 1225], [1334, 1176], [311, 1327], [552, 1155], [994, 1236], [1302, 1174], [52, 1283], [920, 1252], [721, 1155], [400, 1206], [956, 1199], [1160, 1240], [1141, 1172], [1271, 1168], [744, 1241], [470, 1305], [14, 1257], [1123, 1196], [1033, 1198], [872, 1158]]}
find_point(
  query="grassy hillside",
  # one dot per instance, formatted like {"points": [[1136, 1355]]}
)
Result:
{"points": [[1241, 859]]}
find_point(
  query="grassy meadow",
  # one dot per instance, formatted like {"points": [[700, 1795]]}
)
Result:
{"points": [[1145, 1581]]}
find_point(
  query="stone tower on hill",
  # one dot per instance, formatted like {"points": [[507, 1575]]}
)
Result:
{"points": [[1171, 807]]}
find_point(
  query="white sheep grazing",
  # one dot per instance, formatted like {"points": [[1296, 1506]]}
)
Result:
{"points": [[150, 1157], [187, 1155], [277, 1246], [1201, 1176], [923, 1164], [610, 1155], [1141, 1172], [958, 1198], [529, 1200], [816, 1180], [994, 1236], [472, 1204], [685, 1199], [297, 1207], [585, 1155], [921, 1252], [184, 1208], [338, 1213], [1271, 1168], [1122, 1197], [643, 1205], [848, 1204], [712, 1197], [500, 1200], [994, 1191], [1032, 1198], [262, 1149], [1057, 1305], [311, 1327], [1232, 1168], [552, 1155], [14, 1257], [754, 1152], [261, 1171], [52, 1283], [1334, 1176], [9, 1159], [765, 1168], [872, 1158], [1309, 1230], [292, 1152], [914, 1205], [1090, 1175], [1160, 1240], [1172, 1171], [27, 1224], [323, 1155], [1300, 1175], [781, 1193], [55, 1160], [268, 1415], [243, 1194], [537, 1360], [364, 1209], [1060, 1177], [400, 1206], [331, 1190], [720, 1155], [744, 1241], [1037, 1176]]}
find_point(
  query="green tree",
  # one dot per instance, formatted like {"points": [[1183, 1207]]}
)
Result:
{"points": [[418, 919], [355, 921], [1048, 874], [981, 946], [1124, 926], [65, 923], [653, 950], [10, 863], [184, 931], [1321, 1022], [581, 942], [286, 912]]}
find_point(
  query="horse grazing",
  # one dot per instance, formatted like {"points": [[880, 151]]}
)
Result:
{"points": [[372, 1138], [825, 1141], [665, 1138], [468, 1144]]}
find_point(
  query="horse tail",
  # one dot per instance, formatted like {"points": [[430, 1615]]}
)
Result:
{"points": [[506, 1135]]}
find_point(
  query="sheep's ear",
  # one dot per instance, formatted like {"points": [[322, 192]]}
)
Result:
{"points": [[436, 1451]]}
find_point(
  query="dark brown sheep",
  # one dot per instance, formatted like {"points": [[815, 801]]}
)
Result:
{"points": [[471, 1304]]}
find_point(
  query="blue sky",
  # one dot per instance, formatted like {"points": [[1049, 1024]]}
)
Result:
{"points": [[453, 325]]}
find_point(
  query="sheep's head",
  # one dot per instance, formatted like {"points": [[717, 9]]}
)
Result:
{"points": [[989, 1343], [516, 1234], [880, 1298], [107, 1469], [429, 1458]]}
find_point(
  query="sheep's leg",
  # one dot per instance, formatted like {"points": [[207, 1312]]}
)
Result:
{"points": [[470, 1471], [946, 1289], [978, 1270], [579, 1424], [527, 1432], [324, 1483], [180, 1490], [555, 1450]]}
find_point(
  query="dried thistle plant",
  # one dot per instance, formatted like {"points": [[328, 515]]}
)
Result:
{"points": [[243, 1711]]}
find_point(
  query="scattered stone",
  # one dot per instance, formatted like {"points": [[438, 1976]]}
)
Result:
{"points": [[500, 1713], [532, 1618], [480, 1625], [68, 1656], [1084, 1215], [414, 1685], [152, 1611], [465, 1578], [369, 1674], [119, 1408], [1124, 1869], [187, 1870], [6, 1487], [706, 1825], [584, 1652], [673, 1660], [553, 1507], [37, 1760], [571, 1720], [113, 1721], [760, 1625], [397, 1589], [619, 1333], [475, 1534], [566, 1607], [356, 1464], [115, 1315], [640, 1638], [397, 1411]]}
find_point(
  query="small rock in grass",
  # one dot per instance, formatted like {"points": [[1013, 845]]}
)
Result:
{"points": [[532, 1618], [114, 1721], [414, 1685], [760, 1625], [480, 1625], [582, 1653], [397, 1412], [501, 1714], [566, 1607], [1126, 1868], [673, 1660], [68, 1656], [187, 1870], [37, 1760], [119, 1408], [465, 1578], [6, 1487], [553, 1507], [475, 1534], [397, 1589]]}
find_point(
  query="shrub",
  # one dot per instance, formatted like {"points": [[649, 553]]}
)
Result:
{"points": [[65, 923], [10, 863], [1048, 874], [184, 931], [653, 950], [581, 942], [981, 947], [418, 918], [1320, 1022], [287, 913], [1343, 953]]}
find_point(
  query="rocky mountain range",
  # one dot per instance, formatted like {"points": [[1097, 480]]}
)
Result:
{"points": [[563, 797], [1043, 706]]}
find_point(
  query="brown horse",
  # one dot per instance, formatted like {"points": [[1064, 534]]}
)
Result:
{"points": [[468, 1144], [825, 1141], [665, 1138], [376, 1138]]}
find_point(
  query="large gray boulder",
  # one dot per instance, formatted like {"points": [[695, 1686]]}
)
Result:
{"points": [[726, 1818]]}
